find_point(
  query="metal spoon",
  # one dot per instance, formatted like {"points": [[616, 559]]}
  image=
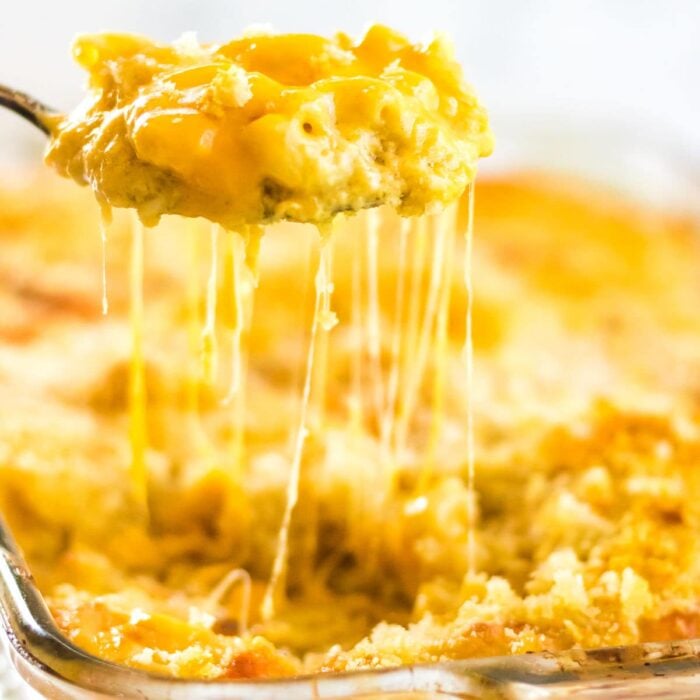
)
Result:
{"points": [[32, 110]]}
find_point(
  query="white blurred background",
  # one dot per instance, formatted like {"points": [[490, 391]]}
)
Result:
{"points": [[553, 67]]}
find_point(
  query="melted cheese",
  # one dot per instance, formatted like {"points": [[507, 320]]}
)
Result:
{"points": [[105, 220], [469, 386], [590, 508], [236, 577], [355, 403], [428, 317], [411, 332], [327, 321], [237, 315], [389, 417], [323, 289], [244, 278], [210, 352], [137, 372], [441, 351], [271, 127], [373, 330], [194, 331]]}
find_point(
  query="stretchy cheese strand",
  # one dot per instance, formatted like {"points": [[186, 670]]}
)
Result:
{"points": [[105, 221], [240, 297], [409, 346], [327, 321], [235, 577], [356, 404], [238, 316], [137, 372], [389, 418], [415, 378], [209, 348], [469, 357], [373, 315], [441, 353], [280, 562], [193, 320]]}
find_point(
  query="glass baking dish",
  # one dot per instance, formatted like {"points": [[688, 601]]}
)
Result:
{"points": [[53, 666]]}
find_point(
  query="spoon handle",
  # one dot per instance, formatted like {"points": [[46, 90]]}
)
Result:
{"points": [[34, 111]]}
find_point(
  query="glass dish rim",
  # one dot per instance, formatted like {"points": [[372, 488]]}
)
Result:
{"points": [[49, 662]]}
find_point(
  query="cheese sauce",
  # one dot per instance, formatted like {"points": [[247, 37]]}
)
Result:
{"points": [[272, 127]]}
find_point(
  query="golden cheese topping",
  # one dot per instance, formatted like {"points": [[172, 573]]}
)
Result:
{"points": [[586, 416], [271, 127]]}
